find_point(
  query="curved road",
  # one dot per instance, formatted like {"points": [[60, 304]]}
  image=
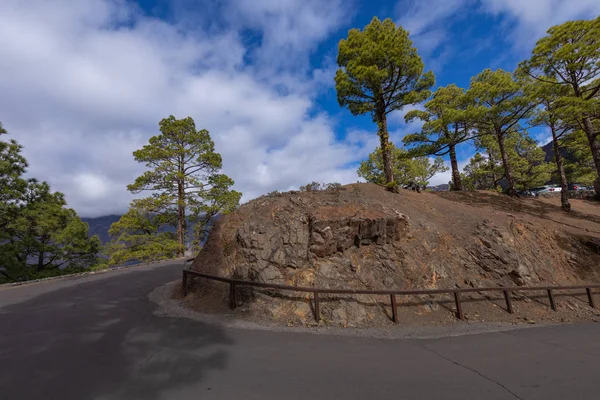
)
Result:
{"points": [[96, 337]]}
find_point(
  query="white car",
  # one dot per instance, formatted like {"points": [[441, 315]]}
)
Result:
{"points": [[546, 189]]}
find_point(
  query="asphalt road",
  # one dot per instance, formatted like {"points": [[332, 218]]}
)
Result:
{"points": [[97, 338]]}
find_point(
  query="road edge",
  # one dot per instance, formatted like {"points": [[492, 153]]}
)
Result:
{"points": [[86, 273], [172, 308]]}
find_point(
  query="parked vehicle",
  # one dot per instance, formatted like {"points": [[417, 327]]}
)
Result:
{"points": [[526, 193], [546, 189], [577, 186]]}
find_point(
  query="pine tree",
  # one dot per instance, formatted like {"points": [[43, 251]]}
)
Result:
{"points": [[570, 57], [185, 182], [527, 159], [407, 169], [550, 114], [39, 235], [143, 234], [447, 124], [501, 106], [380, 71]]}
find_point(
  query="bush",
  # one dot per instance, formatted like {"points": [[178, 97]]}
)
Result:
{"points": [[392, 186], [316, 186], [311, 187]]}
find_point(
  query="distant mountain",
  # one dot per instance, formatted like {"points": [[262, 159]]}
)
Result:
{"points": [[100, 226], [549, 150], [444, 187]]}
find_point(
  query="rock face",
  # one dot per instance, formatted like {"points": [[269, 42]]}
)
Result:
{"points": [[336, 229], [313, 239], [362, 237], [494, 256], [309, 237]]}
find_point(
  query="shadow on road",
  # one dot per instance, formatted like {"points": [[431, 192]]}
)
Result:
{"points": [[100, 340]]}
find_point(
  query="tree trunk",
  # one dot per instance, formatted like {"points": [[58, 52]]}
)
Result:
{"points": [[564, 193], [40, 263], [456, 181], [512, 191], [181, 219], [595, 147], [384, 139], [492, 165]]}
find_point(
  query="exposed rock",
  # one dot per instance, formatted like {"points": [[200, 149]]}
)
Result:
{"points": [[348, 313], [335, 229], [319, 233], [521, 274], [269, 274], [363, 238]]}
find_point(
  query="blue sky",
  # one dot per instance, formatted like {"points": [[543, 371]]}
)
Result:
{"points": [[83, 83]]}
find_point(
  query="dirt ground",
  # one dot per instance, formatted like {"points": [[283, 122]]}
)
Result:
{"points": [[583, 219], [528, 308], [456, 239]]}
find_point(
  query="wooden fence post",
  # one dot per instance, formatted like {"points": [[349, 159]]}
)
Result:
{"points": [[509, 306], [232, 296], [551, 298], [317, 309], [459, 311], [590, 297], [394, 308]]}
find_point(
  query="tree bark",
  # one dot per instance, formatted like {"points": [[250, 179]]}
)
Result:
{"points": [[492, 165], [595, 148], [40, 263], [564, 193], [181, 218], [384, 139], [512, 191], [457, 182]]}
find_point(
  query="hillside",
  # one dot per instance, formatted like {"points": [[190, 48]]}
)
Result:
{"points": [[100, 226], [362, 236]]}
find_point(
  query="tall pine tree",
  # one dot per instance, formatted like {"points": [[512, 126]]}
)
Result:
{"points": [[184, 181], [448, 123], [380, 71], [570, 56], [502, 105]]}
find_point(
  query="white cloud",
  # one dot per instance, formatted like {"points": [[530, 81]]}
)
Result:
{"points": [[429, 24], [420, 17], [290, 29], [534, 17], [84, 83], [525, 21], [542, 136]]}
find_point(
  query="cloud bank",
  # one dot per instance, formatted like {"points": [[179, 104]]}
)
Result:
{"points": [[84, 83]]}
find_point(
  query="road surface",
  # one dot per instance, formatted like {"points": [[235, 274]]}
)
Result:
{"points": [[97, 338]]}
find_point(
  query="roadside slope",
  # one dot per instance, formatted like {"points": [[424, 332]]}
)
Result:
{"points": [[361, 236]]}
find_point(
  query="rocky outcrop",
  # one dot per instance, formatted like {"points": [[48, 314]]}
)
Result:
{"points": [[363, 237], [309, 238], [495, 252], [336, 229]]}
